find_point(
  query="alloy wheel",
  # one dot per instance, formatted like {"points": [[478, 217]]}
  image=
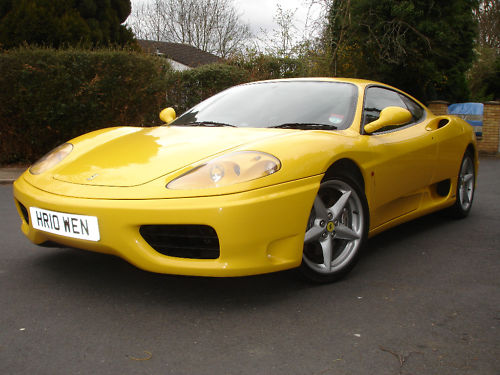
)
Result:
{"points": [[335, 229], [466, 183]]}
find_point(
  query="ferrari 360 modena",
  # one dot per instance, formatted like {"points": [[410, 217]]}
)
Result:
{"points": [[262, 177]]}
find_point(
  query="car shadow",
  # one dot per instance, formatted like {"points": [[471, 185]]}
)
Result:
{"points": [[413, 229], [107, 277]]}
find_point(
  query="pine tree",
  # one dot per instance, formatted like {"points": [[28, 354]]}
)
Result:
{"points": [[60, 23]]}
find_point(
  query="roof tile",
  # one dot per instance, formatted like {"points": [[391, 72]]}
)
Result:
{"points": [[182, 53]]}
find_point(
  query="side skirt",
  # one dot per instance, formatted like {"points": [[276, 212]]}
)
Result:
{"points": [[434, 198]]}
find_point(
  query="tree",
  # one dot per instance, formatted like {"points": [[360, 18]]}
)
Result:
{"points": [[423, 47], [59, 23], [282, 41], [147, 21], [487, 14], [210, 25], [484, 77]]}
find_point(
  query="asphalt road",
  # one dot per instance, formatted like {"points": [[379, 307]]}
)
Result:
{"points": [[424, 299]]}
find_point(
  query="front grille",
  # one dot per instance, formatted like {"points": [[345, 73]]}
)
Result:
{"points": [[182, 241]]}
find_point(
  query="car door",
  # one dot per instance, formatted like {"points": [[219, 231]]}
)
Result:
{"points": [[403, 156]]}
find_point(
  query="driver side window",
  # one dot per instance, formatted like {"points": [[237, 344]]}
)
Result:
{"points": [[378, 98]]}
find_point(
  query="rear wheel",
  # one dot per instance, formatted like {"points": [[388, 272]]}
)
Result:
{"points": [[466, 184], [336, 230]]}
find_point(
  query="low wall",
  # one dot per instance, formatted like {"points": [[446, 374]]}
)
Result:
{"points": [[489, 143]]}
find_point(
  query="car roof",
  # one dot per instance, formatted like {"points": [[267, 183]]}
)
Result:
{"points": [[356, 81]]}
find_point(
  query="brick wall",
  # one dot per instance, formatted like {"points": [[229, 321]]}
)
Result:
{"points": [[489, 144], [490, 141], [438, 107]]}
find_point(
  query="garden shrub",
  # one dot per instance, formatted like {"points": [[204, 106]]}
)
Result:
{"points": [[49, 96], [260, 67]]}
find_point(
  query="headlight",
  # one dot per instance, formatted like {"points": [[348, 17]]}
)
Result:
{"points": [[227, 170], [51, 159]]}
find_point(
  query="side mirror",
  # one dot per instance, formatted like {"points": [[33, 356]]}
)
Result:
{"points": [[168, 115], [389, 116]]}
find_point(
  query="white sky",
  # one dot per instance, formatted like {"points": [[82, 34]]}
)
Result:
{"points": [[258, 14]]}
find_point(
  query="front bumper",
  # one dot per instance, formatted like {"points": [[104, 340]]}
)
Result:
{"points": [[259, 231]]}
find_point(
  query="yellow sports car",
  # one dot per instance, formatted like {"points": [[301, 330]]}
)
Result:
{"points": [[262, 177]]}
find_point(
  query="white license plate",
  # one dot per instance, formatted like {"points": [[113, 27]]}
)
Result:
{"points": [[67, 225]]}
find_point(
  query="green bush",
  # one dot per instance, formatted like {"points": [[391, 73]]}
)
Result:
{"points": [[260, 67], [49, 96]]}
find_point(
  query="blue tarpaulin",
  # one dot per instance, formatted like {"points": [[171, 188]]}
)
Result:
{"points": [[470, 112]]}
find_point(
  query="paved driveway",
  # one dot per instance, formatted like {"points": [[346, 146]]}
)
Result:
{"points": [[424, 299]]}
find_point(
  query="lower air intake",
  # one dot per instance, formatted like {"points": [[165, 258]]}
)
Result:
{"points": [[24, 211], [182, 241]]}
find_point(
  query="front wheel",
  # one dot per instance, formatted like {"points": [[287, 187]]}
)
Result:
{"points": [[336, 230]]}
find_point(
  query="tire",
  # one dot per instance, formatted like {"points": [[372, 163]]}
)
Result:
{"points": [[336, 231], [466, 186]]}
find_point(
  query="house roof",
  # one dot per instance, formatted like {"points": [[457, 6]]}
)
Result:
{"points": [[182, 53]]}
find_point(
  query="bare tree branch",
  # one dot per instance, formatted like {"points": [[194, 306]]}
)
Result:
{"points": [[488, 17], [210, 25]]}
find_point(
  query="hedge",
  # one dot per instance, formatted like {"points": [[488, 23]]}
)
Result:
{"points": [[48, 96]]}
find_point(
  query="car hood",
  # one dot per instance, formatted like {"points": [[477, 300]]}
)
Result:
{"points": [[136, 158]]}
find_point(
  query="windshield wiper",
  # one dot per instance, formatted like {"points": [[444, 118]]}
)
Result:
{"points": [[305, 125], [209, 124]]}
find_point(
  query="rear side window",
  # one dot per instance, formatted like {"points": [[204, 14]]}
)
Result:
{"points": [[378, 98], [416, 110]]}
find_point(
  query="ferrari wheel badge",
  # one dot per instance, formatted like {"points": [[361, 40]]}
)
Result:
{"points": [[330, 226]]}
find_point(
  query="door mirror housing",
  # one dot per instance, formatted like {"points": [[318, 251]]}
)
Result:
{"points": [[389, 116], [168, 115]]}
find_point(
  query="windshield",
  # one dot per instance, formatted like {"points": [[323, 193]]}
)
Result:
{"points": [[279, 104]]}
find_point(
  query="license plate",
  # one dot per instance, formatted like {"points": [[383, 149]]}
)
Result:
{"points": [[67, 225]]}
